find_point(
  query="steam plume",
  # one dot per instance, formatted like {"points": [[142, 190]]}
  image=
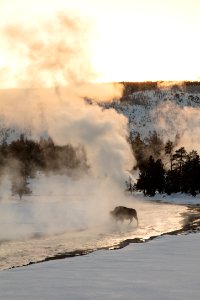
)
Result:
{"points": [[55, 54], [173, 119]]}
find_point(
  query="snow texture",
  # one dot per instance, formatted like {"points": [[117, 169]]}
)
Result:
{"points": [[175, 198], [166, 268], [162, 111]]}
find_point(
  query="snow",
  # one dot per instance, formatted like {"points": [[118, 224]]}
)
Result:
{"points": [[175, 198], [165, 268], [180, 198], [162, 111]]}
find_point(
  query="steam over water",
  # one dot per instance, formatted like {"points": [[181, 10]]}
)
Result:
{"points": [[68, 223], [65, 215], [55, 79]]}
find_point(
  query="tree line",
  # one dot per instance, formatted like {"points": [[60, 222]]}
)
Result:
{"points": [[163, 169], [161, 166], [23, 158], [132, 87]]}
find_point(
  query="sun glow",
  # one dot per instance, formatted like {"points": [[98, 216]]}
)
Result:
{"points": [[129, 40]]}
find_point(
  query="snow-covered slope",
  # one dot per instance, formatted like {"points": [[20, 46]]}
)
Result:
{"points": [[163, 111]]}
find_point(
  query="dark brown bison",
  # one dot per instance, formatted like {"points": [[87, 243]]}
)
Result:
{"points": [[121, 213]]}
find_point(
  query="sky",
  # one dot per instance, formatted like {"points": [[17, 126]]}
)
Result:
{"points": [[128, 40]]}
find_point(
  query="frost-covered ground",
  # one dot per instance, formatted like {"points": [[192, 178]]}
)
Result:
{"points": [[166, 268]]}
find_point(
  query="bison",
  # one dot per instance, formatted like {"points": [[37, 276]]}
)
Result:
{"points": [[121, 213]]}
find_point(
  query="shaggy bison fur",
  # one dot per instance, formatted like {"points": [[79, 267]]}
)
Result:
{"points": [[121, 213]]}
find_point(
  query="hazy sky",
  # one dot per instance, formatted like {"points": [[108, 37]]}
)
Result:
{"points": [[131, 39]]}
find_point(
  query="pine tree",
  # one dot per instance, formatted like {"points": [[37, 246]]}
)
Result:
{"points": [[152, 177], [191, 174], [155, 145], [179, 158], [168, 151]]}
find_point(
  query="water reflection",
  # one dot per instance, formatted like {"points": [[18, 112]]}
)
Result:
{"points": [[154, 220]]}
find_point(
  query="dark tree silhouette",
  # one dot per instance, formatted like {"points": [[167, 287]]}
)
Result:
{"points": [[168, 151], [155, 145], [152, 177], [191, 174], [20, 187]]}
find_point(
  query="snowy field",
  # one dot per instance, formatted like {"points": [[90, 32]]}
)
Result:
{"points": [[166, 268]]}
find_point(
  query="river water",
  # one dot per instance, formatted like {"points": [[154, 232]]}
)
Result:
{"points": [[32, 231]]}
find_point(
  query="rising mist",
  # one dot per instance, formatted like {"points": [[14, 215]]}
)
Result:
{"points": [[52, 86]]}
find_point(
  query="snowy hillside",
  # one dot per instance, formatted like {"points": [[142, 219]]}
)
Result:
{"points": [[167, 111], [164, 111]]}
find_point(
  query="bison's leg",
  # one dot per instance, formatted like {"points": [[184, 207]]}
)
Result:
{"points": [[131, 219], [137, 220]]}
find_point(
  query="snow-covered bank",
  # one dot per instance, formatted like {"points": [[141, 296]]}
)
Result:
{"points": [[176, 198], [165, 268]]}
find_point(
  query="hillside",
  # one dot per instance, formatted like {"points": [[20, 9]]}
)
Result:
{"points": [[166, 111]]}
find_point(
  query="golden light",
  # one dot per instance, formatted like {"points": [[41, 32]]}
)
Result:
{"points": [[132, 40]]}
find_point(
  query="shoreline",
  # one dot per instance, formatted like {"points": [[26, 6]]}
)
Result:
{"points": [[191, 225]]}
